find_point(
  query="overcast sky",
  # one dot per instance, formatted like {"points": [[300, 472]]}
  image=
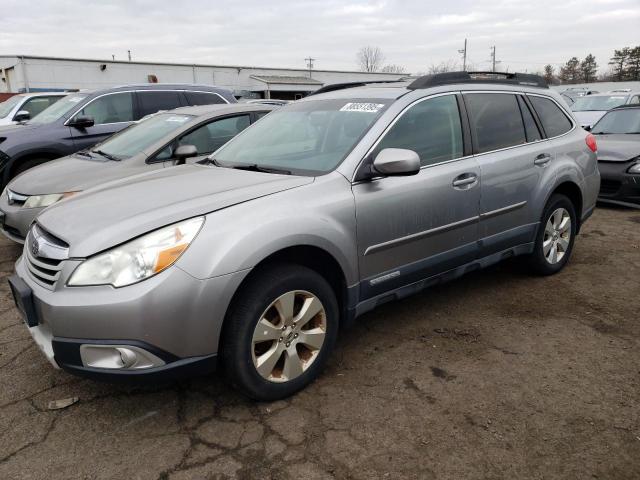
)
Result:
{"points": [[278, 33]]}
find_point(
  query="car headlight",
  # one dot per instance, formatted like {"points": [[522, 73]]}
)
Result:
{"points": [[138, 259], [40, 201], [635, 168]]}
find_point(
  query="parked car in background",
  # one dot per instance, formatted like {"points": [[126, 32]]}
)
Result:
{"points": [[589, 109], [80, 120], [25, 106], [321, 211], [570, 95], [618, 134], [162, 140]]}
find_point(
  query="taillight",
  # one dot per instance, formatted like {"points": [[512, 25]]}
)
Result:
{"points": [[591, 143]]}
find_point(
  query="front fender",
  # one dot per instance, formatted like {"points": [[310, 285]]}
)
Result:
{"points": [[321, 214]]}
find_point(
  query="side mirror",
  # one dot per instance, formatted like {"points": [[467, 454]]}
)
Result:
{"points": [[21, 116], [397, 162], [82, 121], [183, 152]]}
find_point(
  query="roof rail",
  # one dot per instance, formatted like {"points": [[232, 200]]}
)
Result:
{"points": [[449, 78], [341, 86]]}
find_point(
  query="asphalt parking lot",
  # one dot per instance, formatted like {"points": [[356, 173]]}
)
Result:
{"points": [[496, 375]]}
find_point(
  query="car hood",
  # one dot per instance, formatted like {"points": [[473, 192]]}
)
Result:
{"points": [[589, 118], [73, 174], [118, 211], [618, 148], [17, 134]]}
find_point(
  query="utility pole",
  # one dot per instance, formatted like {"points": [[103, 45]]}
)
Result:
{"points": [[310, 64], [129, 54], [113, 57], [493, 59], [464, 56]]}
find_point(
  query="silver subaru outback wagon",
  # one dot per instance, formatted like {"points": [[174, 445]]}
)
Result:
{"points": [[313, 216]]}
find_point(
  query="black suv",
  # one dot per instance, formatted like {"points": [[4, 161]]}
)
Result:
{"points": [[82, 119]]}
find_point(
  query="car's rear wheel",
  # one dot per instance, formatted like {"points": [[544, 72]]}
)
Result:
{"points": [[556, 234], [279, 332]]}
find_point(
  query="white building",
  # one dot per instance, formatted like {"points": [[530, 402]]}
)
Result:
{"points": [[23, 73]]}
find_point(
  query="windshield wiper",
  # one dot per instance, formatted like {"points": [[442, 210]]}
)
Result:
{"points": [[106, 155], [210, 161], [253, 167], [84, 153]]}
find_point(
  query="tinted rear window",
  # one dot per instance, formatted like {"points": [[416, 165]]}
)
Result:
{"points": [[203, 98], [495, 120], [151, 102], [553, 120]]}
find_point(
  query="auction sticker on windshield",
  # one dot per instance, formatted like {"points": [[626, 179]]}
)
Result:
{"points": [[362, 107]]}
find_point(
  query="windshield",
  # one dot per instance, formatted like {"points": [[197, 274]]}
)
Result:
{"points": [[139, 136], [7, 105], [58, 109], [310, 137], [599, 103], [620, 121]]}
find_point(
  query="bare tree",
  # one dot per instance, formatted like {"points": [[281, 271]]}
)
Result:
{"points": [[442, 67], [370, 58], [393, 68]]}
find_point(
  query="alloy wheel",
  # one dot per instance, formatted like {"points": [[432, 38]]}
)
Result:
{"points": [[289, 336], [557, 236]]}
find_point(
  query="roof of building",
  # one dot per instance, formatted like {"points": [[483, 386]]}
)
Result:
{"points": [[241, 67]]}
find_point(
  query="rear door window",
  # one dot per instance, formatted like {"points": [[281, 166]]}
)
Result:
{"points": [[112, 108], [554, 121], [154, 101], [203, 98], [496, 121]]}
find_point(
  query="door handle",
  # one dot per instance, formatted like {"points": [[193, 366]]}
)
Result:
{"points": [[465, 181], [542, 159]]}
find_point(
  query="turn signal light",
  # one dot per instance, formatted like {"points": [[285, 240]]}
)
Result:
{"points": [[591, 143]]}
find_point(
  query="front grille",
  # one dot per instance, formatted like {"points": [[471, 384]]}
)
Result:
{"points": [[609, 187], [45, 256]]}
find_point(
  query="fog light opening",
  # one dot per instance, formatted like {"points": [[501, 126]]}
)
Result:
{"points": [[118, 357]]}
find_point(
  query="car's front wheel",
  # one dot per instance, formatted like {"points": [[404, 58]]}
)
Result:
{"points": [[279, 332]]}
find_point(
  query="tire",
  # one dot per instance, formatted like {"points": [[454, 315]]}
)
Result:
{"points": [[550, 237], [301, 347]]}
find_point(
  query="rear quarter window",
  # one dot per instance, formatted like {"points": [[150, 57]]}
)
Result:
{"points": [[554, 121]]}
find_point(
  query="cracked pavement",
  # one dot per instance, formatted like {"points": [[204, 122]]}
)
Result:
{"points": [[495, 375]]}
